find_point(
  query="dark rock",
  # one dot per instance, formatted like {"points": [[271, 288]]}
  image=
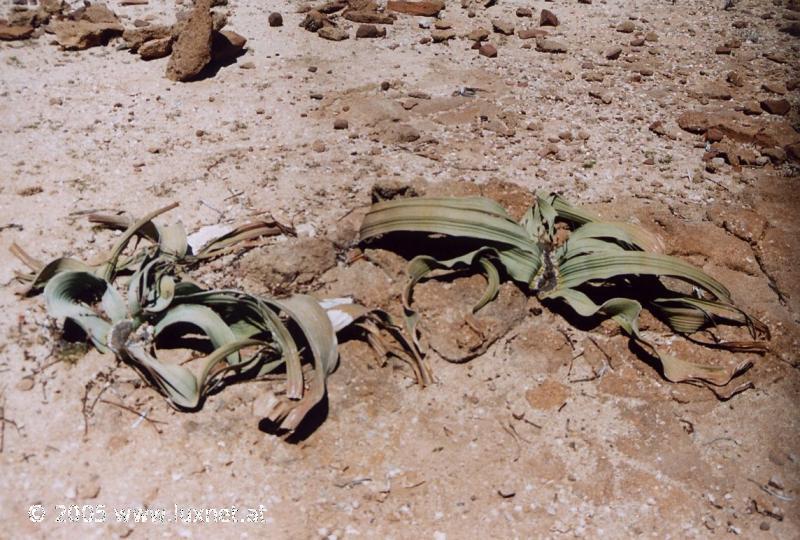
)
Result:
{"points": [[366, 31], [548, 18], [275, 19], [488, 50], [780, 107], [714, 135], [226, 46], [793, 29]]}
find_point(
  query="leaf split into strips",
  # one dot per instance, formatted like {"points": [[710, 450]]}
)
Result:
{"points": [[602, 269], [251, 337]]}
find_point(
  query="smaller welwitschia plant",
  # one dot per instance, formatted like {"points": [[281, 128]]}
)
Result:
{"points": [[251, 337]]}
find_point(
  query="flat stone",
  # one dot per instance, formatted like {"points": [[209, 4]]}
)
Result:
{"points": [[156, 48], [79, 35], [626, 27], [332, 33], [15, 32], [369, 17], [503, 27], [440, 36], [531, 33], [423, 8], [780, 107], [550, 46], [368, 31], [488, 50], [479, 34]]}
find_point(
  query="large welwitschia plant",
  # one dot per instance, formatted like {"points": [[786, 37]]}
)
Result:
{"points": [[564, 254], [250, 337]]}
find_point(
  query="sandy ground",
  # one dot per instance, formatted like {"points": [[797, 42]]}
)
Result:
{"points": [[521, 441]]}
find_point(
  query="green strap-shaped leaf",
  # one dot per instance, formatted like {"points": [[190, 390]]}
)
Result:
{"points": [[687, 315], [544, 217], [211, 375], [122, 221], [113, 304], [42, 273], [624, 234], [172, 240], [249, 231], [474, 218], [162, 293], [581, 246], [248, 316], [565, 210], [109, 270], [318, 331], [626, 313], [177, 383], [203, 318], [600, 266]]}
